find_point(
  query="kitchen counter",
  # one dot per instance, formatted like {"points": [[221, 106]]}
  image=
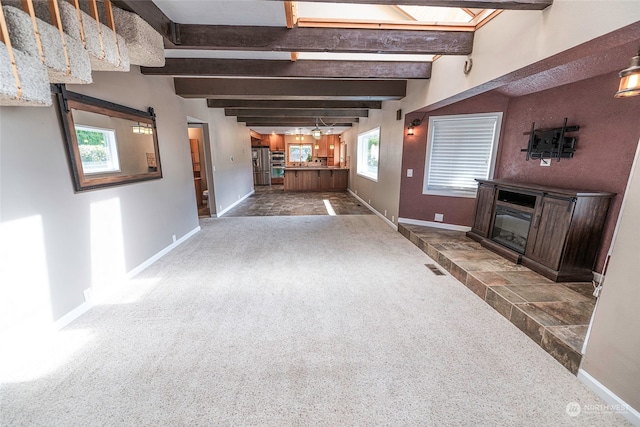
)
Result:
{"points": [[309, 178]]}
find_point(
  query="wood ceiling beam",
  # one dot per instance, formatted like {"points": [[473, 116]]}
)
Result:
{"points": [[350, 40], [269, 112], [148, 11], [354, 90], [301, 124], [330, 121], [284, 68], [476, 4], [293, 104], [297, 121]]}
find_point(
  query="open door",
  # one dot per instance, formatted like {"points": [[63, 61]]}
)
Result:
{"points": [[202, 177]]}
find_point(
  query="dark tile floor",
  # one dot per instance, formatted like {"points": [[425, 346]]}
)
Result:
{"points": [[554, 315], [274, 201]]}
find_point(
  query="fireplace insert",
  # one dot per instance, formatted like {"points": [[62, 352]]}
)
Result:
{"points": [[511, 228]]}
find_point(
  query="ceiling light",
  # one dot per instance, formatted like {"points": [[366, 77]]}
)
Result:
{"points": [[630, 79], [316, 133], [138, 129]]}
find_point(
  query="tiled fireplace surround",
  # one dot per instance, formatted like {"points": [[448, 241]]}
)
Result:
{"points": [[554, 315]]}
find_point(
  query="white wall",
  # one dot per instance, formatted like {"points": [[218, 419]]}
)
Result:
{"points": [[55, 243], [232, 179], [383, 195], [612, 355], [515, 39]]}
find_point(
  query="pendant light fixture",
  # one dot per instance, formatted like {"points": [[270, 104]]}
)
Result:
{"points": [[316, 133], [630, 79]]}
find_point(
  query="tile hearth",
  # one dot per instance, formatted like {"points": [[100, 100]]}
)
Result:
{"points": [[555, 315]]}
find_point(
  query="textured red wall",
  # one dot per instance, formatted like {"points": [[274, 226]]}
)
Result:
{"points": [[605, 148], [414, 204]]}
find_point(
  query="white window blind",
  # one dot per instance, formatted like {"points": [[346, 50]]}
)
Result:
{"points": [[459, 150]]}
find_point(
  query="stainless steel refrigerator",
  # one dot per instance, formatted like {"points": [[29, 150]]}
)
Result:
{"points": [[261, 166]]}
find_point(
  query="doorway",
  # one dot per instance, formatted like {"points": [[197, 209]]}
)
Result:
{"points": [[200, 161]]}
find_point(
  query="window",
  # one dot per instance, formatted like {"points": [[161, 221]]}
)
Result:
{"points": [[459, 150], [369, 153], [300, 153], [98, 150]]}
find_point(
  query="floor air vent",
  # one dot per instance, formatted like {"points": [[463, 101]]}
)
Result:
{"points": [[434, 269]]}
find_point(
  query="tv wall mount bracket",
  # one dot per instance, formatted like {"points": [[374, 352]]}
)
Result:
{"points": [[551, 143]]}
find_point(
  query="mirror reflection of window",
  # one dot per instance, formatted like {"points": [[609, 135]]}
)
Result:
{"points": [[98, 149]]}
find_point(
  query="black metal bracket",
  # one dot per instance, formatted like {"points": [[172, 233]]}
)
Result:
{"points": [[550, 143]]}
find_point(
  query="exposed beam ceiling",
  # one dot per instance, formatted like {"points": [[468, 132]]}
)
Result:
{"points": [[283, 68], [277, 92], [479, 4], [293, 104], [355, 90], [272, 112]]}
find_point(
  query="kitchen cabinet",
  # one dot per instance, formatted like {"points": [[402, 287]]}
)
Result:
{"points": [[276, 142], [321, 143], [558, 230], [333, 154]]}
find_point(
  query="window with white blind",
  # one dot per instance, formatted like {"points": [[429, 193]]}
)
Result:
{"points": [[460, 149]]}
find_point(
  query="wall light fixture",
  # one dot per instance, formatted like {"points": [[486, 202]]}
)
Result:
{"points": [[630, 79]]}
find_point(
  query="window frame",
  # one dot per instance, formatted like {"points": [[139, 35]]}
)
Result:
{"points": [[298, 144], [362, 155], [451, 192]]}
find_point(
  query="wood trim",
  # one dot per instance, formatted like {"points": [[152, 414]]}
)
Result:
{"points": [[483, 21], [112, 25], [54, 11], [468, 12], [76, 4], [382, 25], [290, 12], [93, 12], [284, 68], [27, 6], [4, 37]]}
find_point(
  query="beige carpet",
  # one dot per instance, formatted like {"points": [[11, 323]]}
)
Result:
{"points": [[309, 320]]}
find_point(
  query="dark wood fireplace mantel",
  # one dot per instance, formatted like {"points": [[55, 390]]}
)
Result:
{"points": [[553, 231]]}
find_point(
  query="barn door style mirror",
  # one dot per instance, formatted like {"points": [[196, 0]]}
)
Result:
{"points": [[107, 144]]}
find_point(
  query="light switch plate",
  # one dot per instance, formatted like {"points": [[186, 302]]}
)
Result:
{"points": [[409, 173]]}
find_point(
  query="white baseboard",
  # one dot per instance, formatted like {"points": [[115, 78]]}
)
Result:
{"points": [[72, 315], [434, 224], [614, 402], [384, 218], [85, 306], [227, 209]]}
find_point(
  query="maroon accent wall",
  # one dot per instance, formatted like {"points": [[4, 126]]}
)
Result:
{"points": [[605, 148], [414, 204], [606, 144]]}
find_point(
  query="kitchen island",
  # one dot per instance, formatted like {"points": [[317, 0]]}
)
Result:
{"points": [[315, 178]]}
